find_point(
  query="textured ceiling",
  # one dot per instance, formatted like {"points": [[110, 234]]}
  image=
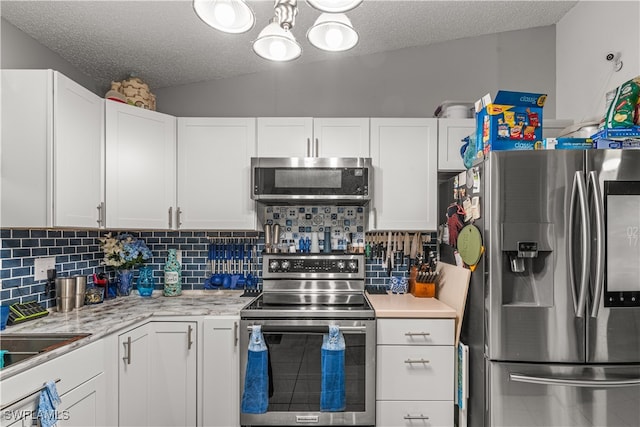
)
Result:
{"points": [[167, 44]]}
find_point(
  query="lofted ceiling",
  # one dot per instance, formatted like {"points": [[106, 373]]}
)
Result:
{"points": [[166, 44]]}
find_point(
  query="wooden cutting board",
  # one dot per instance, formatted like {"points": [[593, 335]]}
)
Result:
{"points": [[453, 286]]}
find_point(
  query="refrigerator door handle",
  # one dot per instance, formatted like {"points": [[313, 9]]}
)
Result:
{"points": [[579, 191], [598, 207], [574, 382]]}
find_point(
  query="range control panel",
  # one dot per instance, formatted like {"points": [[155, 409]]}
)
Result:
{"points": [[330, 265]]}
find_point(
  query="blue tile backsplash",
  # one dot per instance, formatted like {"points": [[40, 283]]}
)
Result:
{"points": [[78, 252]]}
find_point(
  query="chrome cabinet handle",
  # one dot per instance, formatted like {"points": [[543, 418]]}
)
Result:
{"points": [[178, 217], [575, 382], [315, 154], [189, 339], [423, 361], [171, 217], [599, 215], [309, 154], [413, 334], [415, 417], [99, 220], [127, 358], [235, 334]]}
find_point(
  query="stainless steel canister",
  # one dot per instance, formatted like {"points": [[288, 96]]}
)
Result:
{"points": [[267, 238], [65, 293], [81, 290]]}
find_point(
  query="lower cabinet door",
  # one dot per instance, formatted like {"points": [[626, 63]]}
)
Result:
{"points": [[414, 372], [84, 405], [172, 380], [414, 413], [220, 391]]}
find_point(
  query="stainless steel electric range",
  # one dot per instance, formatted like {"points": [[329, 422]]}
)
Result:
{"points": [[302, 296]]}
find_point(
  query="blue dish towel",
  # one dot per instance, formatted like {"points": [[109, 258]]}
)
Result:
{"points": [[48, 405], [255, 396], [332, 394]]}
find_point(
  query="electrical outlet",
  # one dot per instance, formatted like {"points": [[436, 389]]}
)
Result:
{"points": [[41, 265], [179, 256]]}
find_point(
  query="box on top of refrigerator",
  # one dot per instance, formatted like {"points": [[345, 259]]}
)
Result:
{"points": [[512, 121]]}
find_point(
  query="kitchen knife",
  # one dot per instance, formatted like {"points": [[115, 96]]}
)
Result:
{"points": [[407, 247]]}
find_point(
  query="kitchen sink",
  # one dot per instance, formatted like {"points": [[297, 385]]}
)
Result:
{"points": [[19, 347]]}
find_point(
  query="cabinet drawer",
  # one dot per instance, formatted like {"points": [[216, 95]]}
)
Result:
{"points": [[414, 413], [415, 331], [414, 372]]}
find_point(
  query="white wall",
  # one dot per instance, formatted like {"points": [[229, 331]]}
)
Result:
{"points": [[408, 82], [583, 38]]}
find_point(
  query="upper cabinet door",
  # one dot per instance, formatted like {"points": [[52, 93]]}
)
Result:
{"points": [[450, 135], [78, 155], [141, 168], [285, 136], [26, 161], [404, 155], [52, 151], [214, 176], [341, 137]]}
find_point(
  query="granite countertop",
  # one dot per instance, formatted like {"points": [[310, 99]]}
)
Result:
{"points": [[116, 314], [406, 305]]}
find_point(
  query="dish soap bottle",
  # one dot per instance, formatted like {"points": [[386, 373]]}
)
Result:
{"points": [[172, 275]]}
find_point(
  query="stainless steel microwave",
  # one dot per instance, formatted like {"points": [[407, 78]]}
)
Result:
{"points": [[311, 179]]}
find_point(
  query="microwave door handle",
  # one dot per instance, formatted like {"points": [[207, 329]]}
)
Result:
{"points": [[598, 207], [578, 192]]}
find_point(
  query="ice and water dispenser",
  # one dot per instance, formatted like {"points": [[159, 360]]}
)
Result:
{"points": [[527, 264]]}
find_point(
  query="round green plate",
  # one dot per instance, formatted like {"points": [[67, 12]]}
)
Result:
{"points": [[470, 244]]}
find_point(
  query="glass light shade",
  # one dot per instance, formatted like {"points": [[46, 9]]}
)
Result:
{"points": [[276, 44], [333, 32], [334, 6], [229, 16]]}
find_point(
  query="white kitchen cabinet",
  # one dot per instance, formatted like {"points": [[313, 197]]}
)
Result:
{"points": [[341, 137], [134, 373], [84, 405], [52, 151], [404, 156], [80, 385], [312, 137], [172, 383], [141, 168], [284, 136], [220, 392], [450, 135], [415, 372], [157, 375], [214, 173]]}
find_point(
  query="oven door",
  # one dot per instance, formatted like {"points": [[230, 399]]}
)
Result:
{"points": [[294, 347]]}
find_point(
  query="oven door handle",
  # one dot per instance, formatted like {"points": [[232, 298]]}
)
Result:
{"points": [[308, 329]]}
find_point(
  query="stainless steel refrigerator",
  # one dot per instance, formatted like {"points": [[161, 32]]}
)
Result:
{"points": [[553, 311]]}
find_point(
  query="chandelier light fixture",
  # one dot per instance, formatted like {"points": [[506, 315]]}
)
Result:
{"points": [[332, 31]]}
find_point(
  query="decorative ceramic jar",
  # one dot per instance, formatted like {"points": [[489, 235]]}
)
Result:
{"points": [[172, 275]]}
